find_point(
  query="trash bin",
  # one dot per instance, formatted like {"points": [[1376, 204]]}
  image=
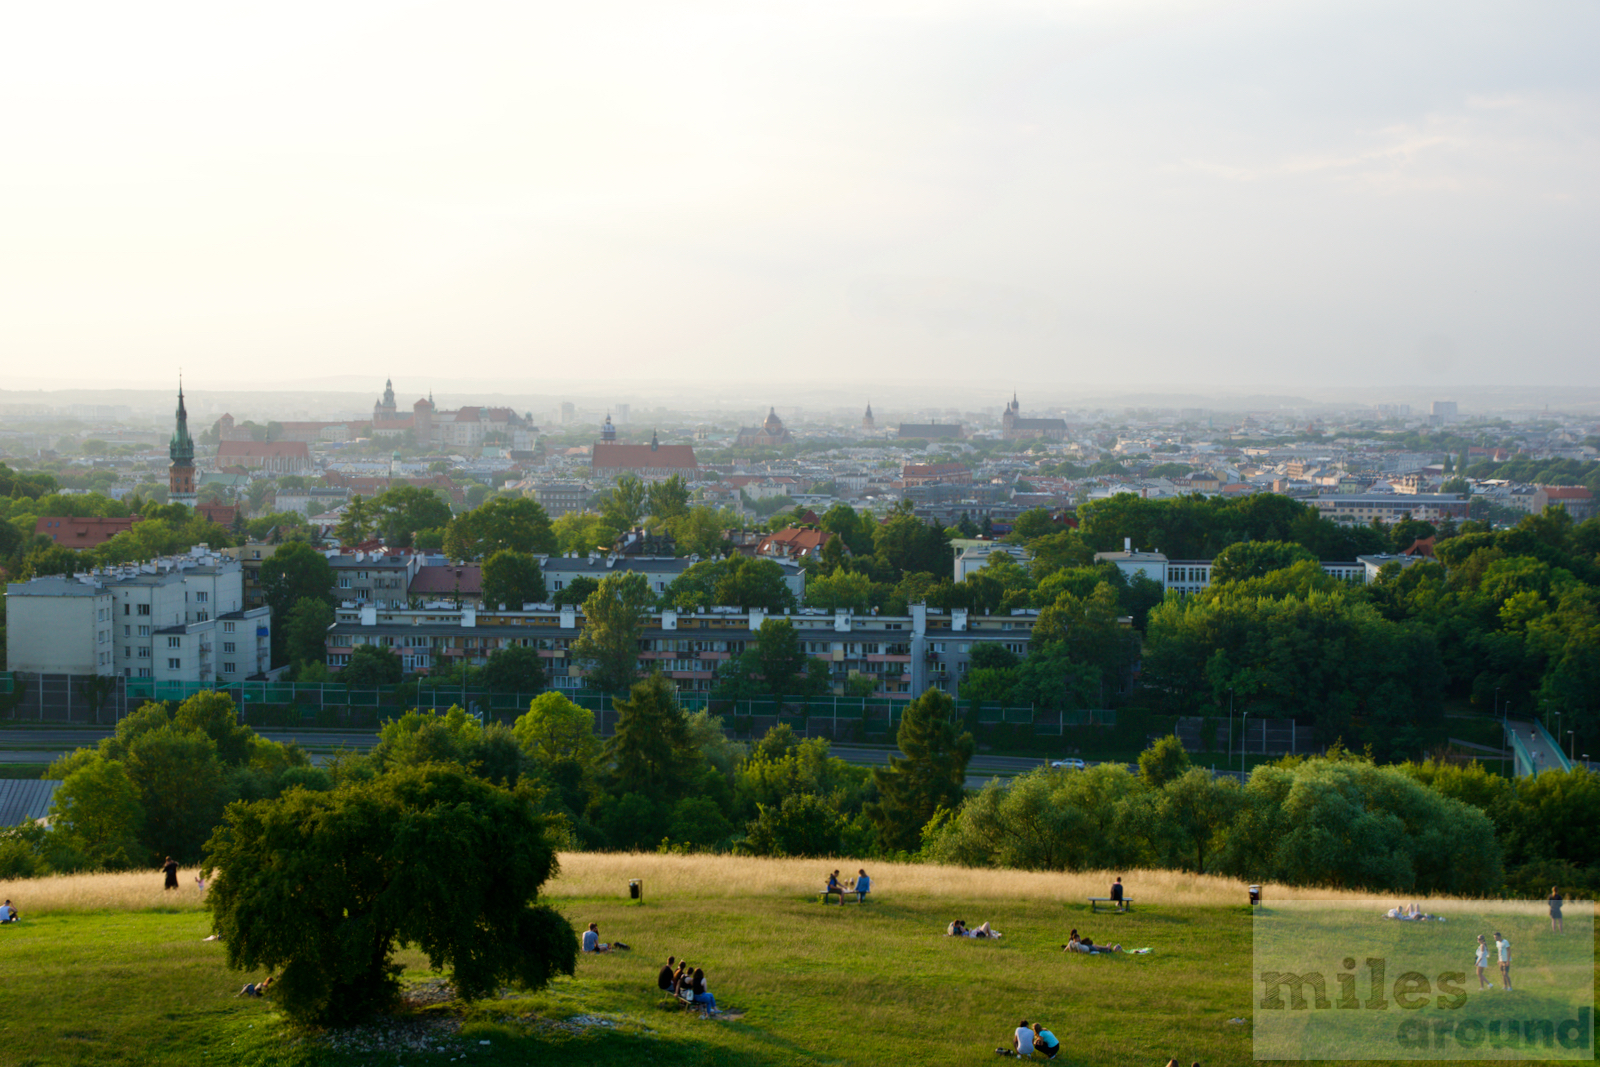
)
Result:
{"points": [[635, 889], [1255, 894]]}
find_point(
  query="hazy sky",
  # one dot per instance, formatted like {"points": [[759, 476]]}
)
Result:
{"points": [[984, 193]]}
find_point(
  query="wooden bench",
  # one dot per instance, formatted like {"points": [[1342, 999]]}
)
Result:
{"points": [[1127, 902], [847, 895], [685, 997]]}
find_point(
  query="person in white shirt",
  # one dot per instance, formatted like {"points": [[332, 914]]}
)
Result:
{"points": [[1504, 946], [1483, 962], [1022, 1040]]}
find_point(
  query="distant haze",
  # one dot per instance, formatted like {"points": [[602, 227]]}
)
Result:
{"points": [[944, 196]]}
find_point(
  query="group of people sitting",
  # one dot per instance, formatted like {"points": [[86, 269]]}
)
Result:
{"points": [[959, 928], [860, 887], [8, 914], [1410, 913], [1031, 1038], [1086, 944], [592, 942], [686, 983]]}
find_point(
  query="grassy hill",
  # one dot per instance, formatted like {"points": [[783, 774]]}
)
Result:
{"points": [[106, 969]]}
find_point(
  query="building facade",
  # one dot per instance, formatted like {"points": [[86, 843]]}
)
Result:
{"points": [[178, 618]]}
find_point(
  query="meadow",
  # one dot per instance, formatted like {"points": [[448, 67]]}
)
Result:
{"points": [[108, 969]]}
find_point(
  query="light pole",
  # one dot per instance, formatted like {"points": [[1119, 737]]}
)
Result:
{"points": [[1244, 719], [1497, 700], [1230, 724], [1572, 746]]}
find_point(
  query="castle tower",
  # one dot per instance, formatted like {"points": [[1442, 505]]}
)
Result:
{"points": [[180, 476]]}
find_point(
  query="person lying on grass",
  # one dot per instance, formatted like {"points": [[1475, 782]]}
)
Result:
{"points": [[1085, 944], [258, 989], [959, 929]]}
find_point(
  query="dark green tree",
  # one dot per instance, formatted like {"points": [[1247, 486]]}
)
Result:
{"points": [[1164, 761], [399, 513], [323, 887], [517, 523], [931, 773], [306, 639], [295, 571], [652, 753], [371, 665], [517, 669], [512, 579], [608, 647]]}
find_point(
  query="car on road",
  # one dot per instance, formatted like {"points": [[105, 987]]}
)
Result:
{"points": [[1068, 764]]}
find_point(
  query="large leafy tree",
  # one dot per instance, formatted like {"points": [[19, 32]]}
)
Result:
{"points": [[556, 729], [668, 499], [306, 629], [295, 571], [323, 887], [518, 669], [356, 521], [399, 513], [512, 579], [98, 808], [613, 622], [517, 523], [737, 581], [626, 503], [371, 665], [931, 773]]}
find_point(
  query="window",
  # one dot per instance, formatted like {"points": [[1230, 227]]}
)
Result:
{"points": [[200, 598], [127, 631], [144, 609], [126, 609], [144, 652], [174, 642], [227, 646], [127, 651], [144, 631], [173, 663], [230, 668], [144, 672], [202, 616], [227, 627], [344, 582]]}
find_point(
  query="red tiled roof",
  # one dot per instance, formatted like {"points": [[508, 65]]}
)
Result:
{"points": [[262, 450], [795, 542], [467, 578], [221, 514], [82, 533], [643, 457]]}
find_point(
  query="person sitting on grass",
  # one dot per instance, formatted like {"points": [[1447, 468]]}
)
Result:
{"points": [[664, 979], [592, 943], [257, 989], [701, 994], [1045, 1043], [8, 914], [1022, 1039]]}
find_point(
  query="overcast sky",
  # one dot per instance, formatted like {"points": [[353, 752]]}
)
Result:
{"points": [[984, 193]]}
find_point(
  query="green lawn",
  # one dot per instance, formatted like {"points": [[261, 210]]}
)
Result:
{"points": [[879, 984]]}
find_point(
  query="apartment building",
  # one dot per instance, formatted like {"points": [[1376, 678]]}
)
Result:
{"points": [[1391, 508], [382, 579], [178, 618], [906, 655]]}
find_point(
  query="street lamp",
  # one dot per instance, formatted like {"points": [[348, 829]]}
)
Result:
{"points": [[1230, 724], [1244, 719], [1572, 746], [1497, 700]]}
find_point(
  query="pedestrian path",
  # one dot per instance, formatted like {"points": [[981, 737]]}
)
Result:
{"points": [[1534, 752]]}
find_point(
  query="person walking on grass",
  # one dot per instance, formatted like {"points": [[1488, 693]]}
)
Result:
{"points": [[1504, 945], [1482, 963], [1555, 909], [171, 869]]}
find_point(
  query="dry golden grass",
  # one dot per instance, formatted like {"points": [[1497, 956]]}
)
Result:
{"points": [[124, 891], [600, 874], [606, 874]]}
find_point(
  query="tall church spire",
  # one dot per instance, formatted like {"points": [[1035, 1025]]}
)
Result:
{"points": [[180, 475]]}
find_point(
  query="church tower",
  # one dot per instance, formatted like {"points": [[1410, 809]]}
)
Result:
{"points": [[868, 423], [608, 432], [180, 476]]}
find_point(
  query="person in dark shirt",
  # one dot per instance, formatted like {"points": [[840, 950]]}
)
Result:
{"points": [[664, 979], [171, 867], [1116, 892], [1555, 909]]}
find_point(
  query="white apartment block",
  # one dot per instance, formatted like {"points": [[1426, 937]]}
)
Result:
{"points": [[179, 618]]}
